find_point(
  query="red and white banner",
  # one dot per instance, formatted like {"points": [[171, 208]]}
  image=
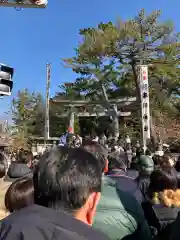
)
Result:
{"points": [[144, 90]]}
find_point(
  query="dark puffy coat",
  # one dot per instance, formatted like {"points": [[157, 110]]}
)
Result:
{"points": [[161, 218]]}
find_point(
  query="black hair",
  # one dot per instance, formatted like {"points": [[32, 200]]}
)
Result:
{"points": [[3, 165], [65, 177], [22, 157], [20, 194], [98, 150], [148, 152], [157, 160], [118, 161], [139, 152], [165, 163], [2, 170], [161, 180], [177, 166]]}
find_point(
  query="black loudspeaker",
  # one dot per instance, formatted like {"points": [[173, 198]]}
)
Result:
{"points": [[6, 82]]}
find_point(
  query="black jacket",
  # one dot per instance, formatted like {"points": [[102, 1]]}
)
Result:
{"points": [[175, 231], [160, 218], [132, 173], [143, 183], [40, 223]]}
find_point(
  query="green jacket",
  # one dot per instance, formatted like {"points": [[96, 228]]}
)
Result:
{"points": [[119, 215]]}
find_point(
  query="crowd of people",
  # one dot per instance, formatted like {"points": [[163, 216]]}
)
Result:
{"points": [[91, 189]]}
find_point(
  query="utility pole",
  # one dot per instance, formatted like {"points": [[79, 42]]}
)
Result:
{"points": [[48, 80]]}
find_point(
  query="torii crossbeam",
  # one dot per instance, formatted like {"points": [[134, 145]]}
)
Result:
{"points": [[78, 103], [114, 113]]}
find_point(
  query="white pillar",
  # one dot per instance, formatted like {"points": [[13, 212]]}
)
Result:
{"points": [[145, 108], [71, 121], [115, 122]]}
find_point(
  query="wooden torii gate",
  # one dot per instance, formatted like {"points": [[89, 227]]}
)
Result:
{"points": [[106, 110]]}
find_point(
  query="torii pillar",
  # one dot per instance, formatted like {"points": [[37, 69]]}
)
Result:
{"points": [[71, 122], [115, 122]]}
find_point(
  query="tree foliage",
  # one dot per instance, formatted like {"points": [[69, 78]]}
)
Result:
{"points": [[28, 114], [110, 53]]}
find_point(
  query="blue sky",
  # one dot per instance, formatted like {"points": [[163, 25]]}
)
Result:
{"points": [[31, 37]]}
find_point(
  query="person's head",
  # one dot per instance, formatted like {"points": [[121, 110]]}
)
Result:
{"points": [[23, 157], [20, 194], [99, 151], [161, 180], [139, 152], [167, 162], [68, 179], [70, 140], [145, 165], [128, 146], [134, 150], [117, 161], [148, 152], [177, 166], [157, 160], [113, 142], [2, 170], [3, 165]]}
